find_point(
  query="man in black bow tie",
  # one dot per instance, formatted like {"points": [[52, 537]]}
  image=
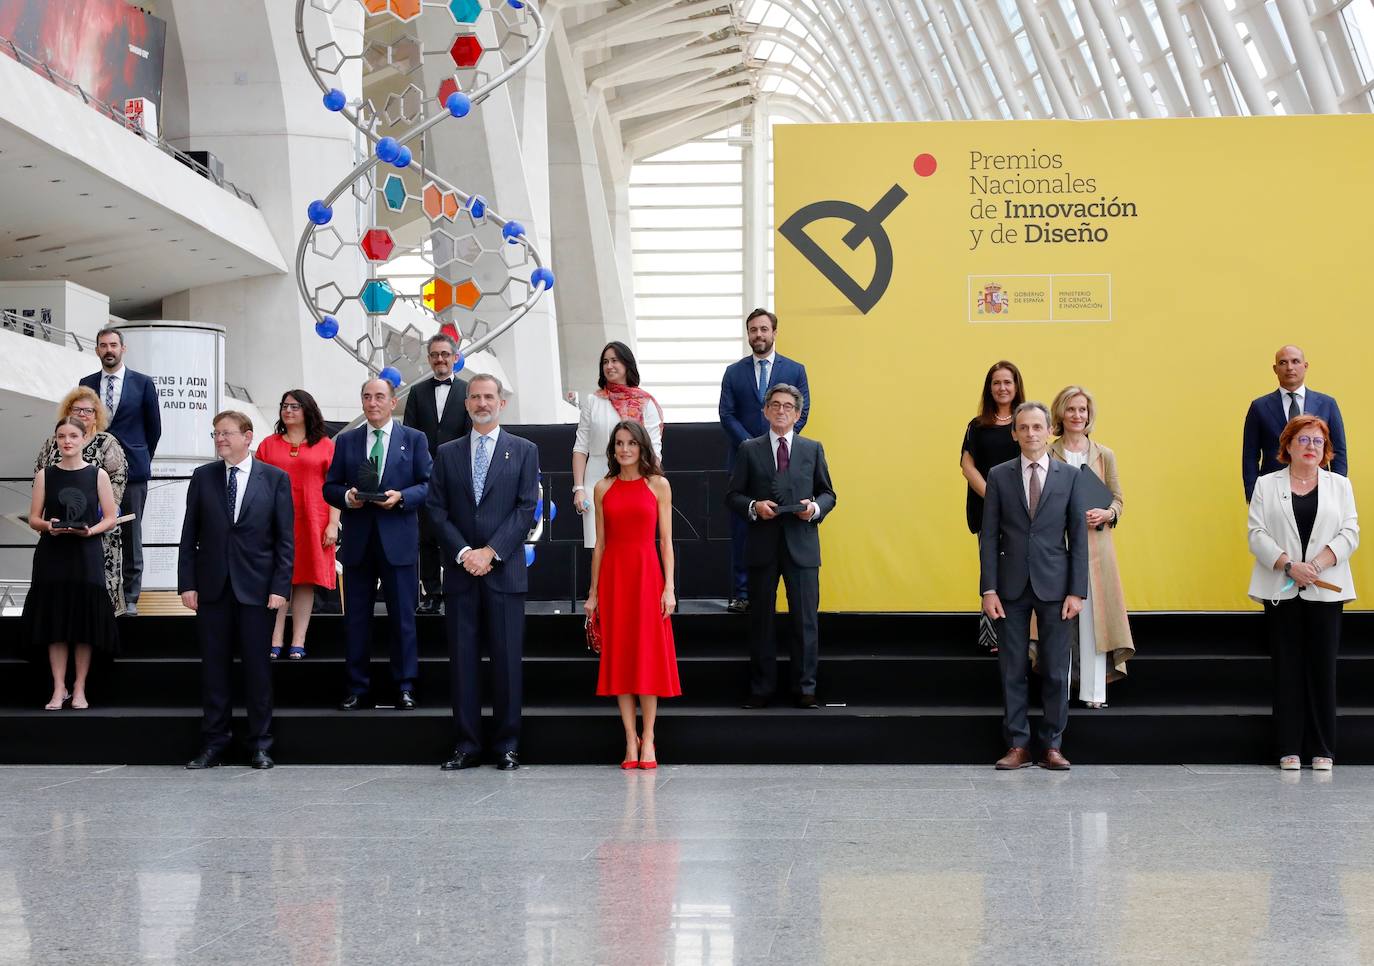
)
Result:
{"points": [[435, 407]]}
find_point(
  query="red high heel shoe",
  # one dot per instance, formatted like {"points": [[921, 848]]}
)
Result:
{"points": [[648, 765], [629, 764]]}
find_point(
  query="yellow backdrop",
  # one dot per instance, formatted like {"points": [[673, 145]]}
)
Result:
{"points": [[1232, 237]]}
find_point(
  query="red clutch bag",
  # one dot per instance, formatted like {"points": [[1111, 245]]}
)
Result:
{"points": [[592, 627]]}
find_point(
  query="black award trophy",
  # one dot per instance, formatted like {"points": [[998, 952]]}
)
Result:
{"points": [[73, 508], [369, 488]]}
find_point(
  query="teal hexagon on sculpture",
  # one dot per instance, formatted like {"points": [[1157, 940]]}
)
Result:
{"points": [[465, 11], [377, 297], [394, 192]]}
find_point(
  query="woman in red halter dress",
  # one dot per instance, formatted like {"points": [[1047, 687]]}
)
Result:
{"points": [[631, 593]]}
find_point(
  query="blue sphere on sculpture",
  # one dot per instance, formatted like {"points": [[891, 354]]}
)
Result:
{"points": [[459, 363], [511, 231], [403, 157], [553, 511], [335, 99], [388, 149], [458, 104], [529, 554], [542, 276], [392, 375], [319, 212], [477, 207], [327, 327]]}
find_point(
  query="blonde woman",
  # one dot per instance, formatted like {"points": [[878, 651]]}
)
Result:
{"points": [[103, 450], [1104, 634]]}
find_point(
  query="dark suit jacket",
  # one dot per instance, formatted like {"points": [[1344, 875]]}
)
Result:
{"points": [[407, 470], [1050, 553], [136, 421], [422, 413], [500, 521], [253, 556], [755, 478], [1264, 422], [741, 406]]}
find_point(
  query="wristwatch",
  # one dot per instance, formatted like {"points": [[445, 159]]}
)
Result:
{"points": [[1288, 569]]}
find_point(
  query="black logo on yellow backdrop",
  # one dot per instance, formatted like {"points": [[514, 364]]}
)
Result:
{"points": [[868, 226]]}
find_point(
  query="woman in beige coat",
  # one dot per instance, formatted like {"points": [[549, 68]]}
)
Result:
{"points": [[1104, 634]]}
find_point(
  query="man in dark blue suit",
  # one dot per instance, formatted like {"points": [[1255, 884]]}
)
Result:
{"points": [[481, 504], [380, 540], [136, 421], [234, 570], [742, 392], [1033, 556], [1270, 413]]}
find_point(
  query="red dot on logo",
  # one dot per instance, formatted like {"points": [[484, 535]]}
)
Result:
{"points": [[924, 165]]}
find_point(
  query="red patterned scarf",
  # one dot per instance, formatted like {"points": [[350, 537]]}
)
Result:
{"points": [[629, 401]]}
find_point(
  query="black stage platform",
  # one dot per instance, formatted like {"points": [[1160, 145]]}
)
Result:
{"points": [[912, 688]]}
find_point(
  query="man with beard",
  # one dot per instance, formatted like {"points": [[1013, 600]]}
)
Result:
{"points": [[742, 392], [136, 421], [481, 504]]}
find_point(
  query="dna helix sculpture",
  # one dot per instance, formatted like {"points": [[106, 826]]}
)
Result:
{"points": [[485, 273]]}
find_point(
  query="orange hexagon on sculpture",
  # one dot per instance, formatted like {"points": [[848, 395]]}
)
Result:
{"points": [[432, 200], [450, 205], [466, 294], [405, 9], [437, 295], [375, 6]]}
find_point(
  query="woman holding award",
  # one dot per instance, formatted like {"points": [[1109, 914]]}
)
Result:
{"points": [[67, 607], [1104, 635], [631, 594]]}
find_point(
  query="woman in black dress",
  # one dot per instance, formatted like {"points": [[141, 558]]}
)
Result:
{"points": [[67, 607], [987, 442]]}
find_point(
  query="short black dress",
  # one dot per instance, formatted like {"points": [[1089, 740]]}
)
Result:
{"points": [[67, 602]]}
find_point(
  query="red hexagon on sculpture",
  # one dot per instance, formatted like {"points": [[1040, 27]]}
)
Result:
{"points": [[447, 89], [466, 50], [377, 244]]}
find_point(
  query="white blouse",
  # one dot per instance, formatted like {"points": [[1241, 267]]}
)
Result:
{"points": [[595, 422]]}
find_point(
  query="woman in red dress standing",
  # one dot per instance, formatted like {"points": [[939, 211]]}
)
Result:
{"points": [[631, 593], [302, 448]]}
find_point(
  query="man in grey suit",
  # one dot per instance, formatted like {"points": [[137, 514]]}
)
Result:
{"points": [[781, 469], [1033, 550], [481, 504]]}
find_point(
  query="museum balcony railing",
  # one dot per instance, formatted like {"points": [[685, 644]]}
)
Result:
{"points": [[9, 49]]}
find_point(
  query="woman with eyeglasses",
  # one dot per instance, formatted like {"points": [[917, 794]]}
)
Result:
{"points": [[302, 448], [99, 447], [1303, 529], [618, 397], [67, 610]]}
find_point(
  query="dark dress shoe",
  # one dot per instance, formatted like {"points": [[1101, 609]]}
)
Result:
{"points": [[206, 759], [406, 701], [1054, 761], [808, 701], [737, 606], [756, 701], [261, 759], [353, 702], [428, 606], [461, 760], [1014, 758], [508, 762]]}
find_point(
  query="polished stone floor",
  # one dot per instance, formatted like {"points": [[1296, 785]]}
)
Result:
{"points": [[788, 865]]}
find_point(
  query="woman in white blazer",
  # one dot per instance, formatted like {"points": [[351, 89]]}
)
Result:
{"points": [[1303, 529], [617, 397]]}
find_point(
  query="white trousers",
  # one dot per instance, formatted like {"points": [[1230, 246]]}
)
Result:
{"points": [[1092, 666]]}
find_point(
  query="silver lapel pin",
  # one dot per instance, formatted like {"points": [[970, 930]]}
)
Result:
{"points": [[507, 454]]}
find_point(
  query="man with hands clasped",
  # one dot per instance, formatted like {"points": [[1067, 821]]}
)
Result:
{"points": [[777, 470], [1033, 550], [481, 505], [380, 540], [234, 570]]}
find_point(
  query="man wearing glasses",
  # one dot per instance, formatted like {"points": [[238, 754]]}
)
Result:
{"points": [[435, 407], [1270, 413], [234, 570], [781, 486]]}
